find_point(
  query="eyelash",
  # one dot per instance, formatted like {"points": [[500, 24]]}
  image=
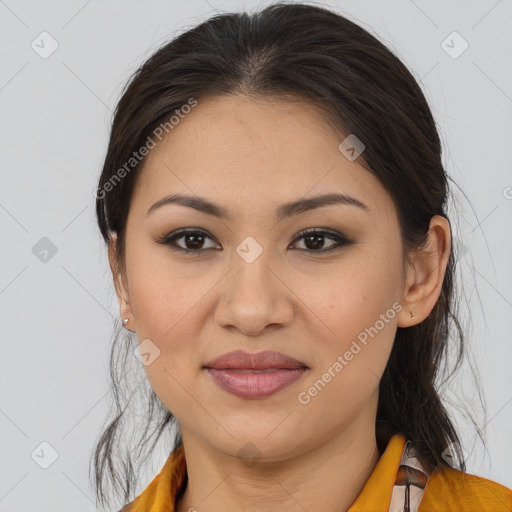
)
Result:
{"points": [[337, 237]]}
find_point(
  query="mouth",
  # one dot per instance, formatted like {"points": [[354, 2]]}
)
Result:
{"points": [[255, 376]]}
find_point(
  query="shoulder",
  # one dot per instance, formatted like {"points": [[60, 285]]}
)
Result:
{"points": [[450, 490], [160, 494]]}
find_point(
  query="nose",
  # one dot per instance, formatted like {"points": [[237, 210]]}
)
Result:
{"points": [[254, 297]]}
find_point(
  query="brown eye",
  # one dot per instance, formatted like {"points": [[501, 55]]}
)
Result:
{"points": [[193, 241], [314, 240]]}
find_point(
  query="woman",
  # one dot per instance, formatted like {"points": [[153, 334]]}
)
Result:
{"points": [[273, 200]]}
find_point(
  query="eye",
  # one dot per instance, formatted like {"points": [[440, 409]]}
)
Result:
{"points": [[194, 239], [314, 240]]}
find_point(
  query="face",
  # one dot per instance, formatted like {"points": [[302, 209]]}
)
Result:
{"points": [[262, 279]]}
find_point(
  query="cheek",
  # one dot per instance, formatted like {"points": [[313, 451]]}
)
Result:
{"points": [[352, 296], [336, 306], [358, 309], [164, 295], [167, 313], [166, 305]]}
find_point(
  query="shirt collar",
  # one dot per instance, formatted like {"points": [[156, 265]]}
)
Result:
{"points": [[162, 492], [376, 493]]}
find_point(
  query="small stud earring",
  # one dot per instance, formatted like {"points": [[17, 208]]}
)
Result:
{"points": [[412, 315], [125, 321]]}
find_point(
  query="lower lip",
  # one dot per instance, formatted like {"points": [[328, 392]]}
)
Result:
{"points": [[252, 385]]}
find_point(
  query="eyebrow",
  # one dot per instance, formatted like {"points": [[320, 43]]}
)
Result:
{"points": [[286, 210]]}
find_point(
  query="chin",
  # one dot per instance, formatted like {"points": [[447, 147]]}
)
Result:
{"points": [[262, 442]]}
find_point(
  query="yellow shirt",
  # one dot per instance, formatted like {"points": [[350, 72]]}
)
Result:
{"points": [[398, 478]]}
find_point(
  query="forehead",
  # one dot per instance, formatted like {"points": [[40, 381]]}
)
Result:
{"points": [[253, 153]]}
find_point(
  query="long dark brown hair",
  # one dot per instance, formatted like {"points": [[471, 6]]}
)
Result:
{"points": [[360, 85]]}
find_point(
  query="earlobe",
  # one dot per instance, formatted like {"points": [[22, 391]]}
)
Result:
{"points": [[119, 285], [425, 273]]}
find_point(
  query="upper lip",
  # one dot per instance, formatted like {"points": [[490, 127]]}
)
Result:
{"points": [[238, 359]]}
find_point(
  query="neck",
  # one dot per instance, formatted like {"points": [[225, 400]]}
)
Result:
{"points": [[327, 478]]}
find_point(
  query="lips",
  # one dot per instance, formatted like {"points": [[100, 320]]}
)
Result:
{"points": [[241, 360], [255, 375]]}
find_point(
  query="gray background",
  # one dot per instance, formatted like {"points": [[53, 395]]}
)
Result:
{"points": [[57, 310]]}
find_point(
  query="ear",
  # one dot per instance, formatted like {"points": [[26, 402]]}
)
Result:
{"points": [[425, 272], [119, 283]]}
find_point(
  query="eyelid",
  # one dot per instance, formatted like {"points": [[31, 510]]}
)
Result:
{"points": [[321, 231], [179, 233], [340, 239]]}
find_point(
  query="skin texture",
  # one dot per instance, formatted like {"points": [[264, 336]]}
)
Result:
{"points": [[250, 156]]}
